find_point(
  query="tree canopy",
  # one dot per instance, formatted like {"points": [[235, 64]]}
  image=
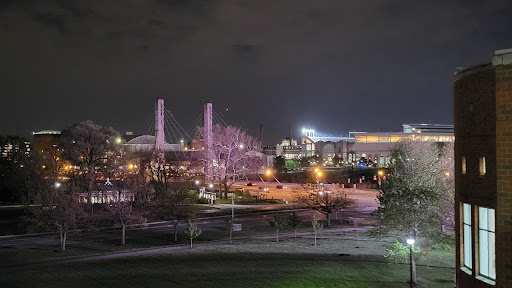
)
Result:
{"points": [[232, 156], [416, 197], [87, 146]]}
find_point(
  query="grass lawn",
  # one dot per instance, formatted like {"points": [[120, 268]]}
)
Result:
{"points": [[346, 260]]}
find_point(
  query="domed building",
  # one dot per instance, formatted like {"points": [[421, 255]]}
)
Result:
{"points": [[146, 143]]}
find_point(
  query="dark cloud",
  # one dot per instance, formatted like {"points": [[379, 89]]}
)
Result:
{"points": [[57, 21], [244, 48], [332, 65]]}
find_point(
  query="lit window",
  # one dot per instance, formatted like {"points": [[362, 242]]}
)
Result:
{"points": [[487, 241], [463, 165], [482, 166], [466, 235]]}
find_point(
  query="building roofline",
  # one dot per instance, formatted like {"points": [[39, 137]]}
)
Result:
{"points": [[47, 132], [471, 70]]}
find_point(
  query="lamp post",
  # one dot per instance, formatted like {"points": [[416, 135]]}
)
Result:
{"points": [[233, 205], [411, 241], [268, 182]]}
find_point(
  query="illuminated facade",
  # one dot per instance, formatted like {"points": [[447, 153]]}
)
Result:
{"points": [[327, 147], [288, 149], [373, 146], [483, 189]]}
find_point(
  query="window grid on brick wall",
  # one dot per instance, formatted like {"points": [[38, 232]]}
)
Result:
{"points": [[466, 236], [487, 242]]}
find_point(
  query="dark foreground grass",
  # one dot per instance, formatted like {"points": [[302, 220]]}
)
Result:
{"points": [[207, 268], [93, 243]]}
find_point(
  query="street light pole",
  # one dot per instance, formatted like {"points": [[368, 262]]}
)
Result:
{"points": [[233, 205], [411, 241], [268, 180], [410, 261]]}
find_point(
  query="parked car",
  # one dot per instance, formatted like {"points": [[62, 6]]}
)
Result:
{"points": [[251, 184], [279, 186]]}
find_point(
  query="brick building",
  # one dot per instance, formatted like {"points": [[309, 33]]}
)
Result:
{"points": [[483, 173]]}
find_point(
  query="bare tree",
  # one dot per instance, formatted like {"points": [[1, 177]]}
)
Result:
{"points": [[124, 214], [325, 202], [192, 232], [88, 146], [233, 155], [175, 206], [59, 210], [317, 227], [277, 222], [65, 214], [294, 221]]}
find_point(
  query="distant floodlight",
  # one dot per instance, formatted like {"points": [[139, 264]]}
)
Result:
{"points": [[197, 182], [211, 186], [410, 241], [57, 184]]}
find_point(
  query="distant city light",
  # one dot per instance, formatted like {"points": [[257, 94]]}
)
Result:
{"points": [[197, 182], [57, 184], [118, 140]]}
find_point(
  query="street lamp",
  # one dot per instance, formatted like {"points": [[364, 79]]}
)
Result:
{"points": [[411, 241]]}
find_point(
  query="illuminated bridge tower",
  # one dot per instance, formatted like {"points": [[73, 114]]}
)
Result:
{"points": [[158, 161], [208, 140]]}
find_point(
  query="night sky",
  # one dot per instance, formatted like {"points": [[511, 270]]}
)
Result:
{"points": [[332, 65]]}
